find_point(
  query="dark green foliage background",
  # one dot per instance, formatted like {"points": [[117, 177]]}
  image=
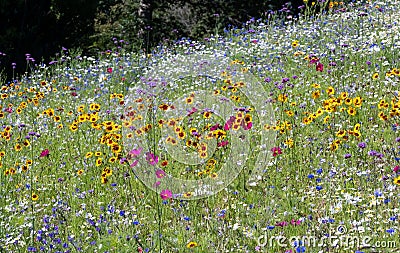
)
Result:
{"points": [[42, 27]]}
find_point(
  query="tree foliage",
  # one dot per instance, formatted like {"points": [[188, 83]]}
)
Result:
{"points": [[42, 27]]}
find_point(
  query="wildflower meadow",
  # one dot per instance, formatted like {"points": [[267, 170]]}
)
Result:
{"points": [[280, 136]]}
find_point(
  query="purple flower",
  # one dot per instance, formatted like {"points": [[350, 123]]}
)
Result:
{"points": [[285, 79], [362, 145], [347, 156]]}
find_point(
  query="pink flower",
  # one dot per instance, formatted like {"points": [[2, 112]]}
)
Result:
{"points": [[134, 163], [223, 143], [319, 67], [192, 111], [248, 126], [109, 70], [166, 194], [135, 152], [160, 173], [396, 169], [151, 158], [9, 110], [276, 151], [281, 224], [295, 222], [156, 184], [229, 123], [44, 153], [215, 127], [314, 60]]}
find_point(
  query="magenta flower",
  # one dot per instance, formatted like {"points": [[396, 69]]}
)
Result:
{"points": [[396, 169], [166, 194], [215, 127], [156, 184], [319, 67], [151, 158], [281, 224], [295, 222], [192, 111], [44, 153], [223, 143], [276, 151], [134, 163], [248, 126], [135, 152], [160, 173], [109, 70], [229, 123]]}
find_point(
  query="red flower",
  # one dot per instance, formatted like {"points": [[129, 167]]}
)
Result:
{"points": [[276, 151], [109, 70], [44, 153], [319, 67], [396, 169]]}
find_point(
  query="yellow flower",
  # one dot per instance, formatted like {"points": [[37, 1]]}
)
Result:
{"points": [[289, 113], [397, 180], [341, 133], [99, 162], [289, 142], [357, 102], [207, 115], [282, 98], [348, 101], [35, 196], [330, 90], [191, 245], [295, 43], [187, 194], [18, 147], [375, 76], [213, 175], [316, 94], [351, 111]]}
